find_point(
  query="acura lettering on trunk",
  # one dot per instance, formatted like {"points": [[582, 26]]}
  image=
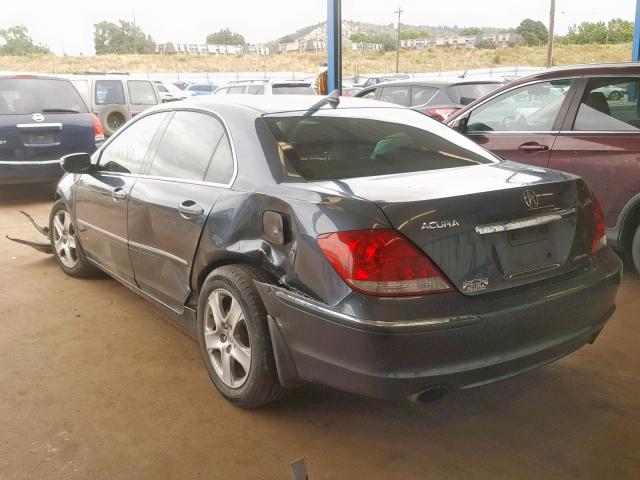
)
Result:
{"points": [[344, 242]]}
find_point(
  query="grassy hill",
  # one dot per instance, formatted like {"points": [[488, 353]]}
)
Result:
{"points": [[429, 60]]}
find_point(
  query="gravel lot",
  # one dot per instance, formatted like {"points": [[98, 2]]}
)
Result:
{"points": [[94, 383]]}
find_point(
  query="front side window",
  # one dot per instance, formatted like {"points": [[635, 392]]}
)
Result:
{"points": [[187, 146], [221, 91], [370, 142], [532, 107], [609, 104], [109, 92], [141, 92], [126, 152], [236, 90], [371, 94], [397, 95]]}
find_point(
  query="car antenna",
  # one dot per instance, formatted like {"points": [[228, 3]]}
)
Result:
{"points": [[333, 100], [464, 74]]}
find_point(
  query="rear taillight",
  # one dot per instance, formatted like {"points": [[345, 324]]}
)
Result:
{"points": [[381, 262], [441, 113], [98, 132], [600, 231]]}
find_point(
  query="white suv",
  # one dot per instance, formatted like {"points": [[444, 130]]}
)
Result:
{"points": [[267, 87]]}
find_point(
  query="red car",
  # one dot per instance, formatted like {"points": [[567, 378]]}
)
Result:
{"points": [[582, 119]]}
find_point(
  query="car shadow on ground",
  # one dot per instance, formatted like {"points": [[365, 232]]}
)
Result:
{"points": [[26, 193]]}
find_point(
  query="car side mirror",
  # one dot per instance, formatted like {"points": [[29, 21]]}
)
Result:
{"points": [[76, 163], [461, 124]]}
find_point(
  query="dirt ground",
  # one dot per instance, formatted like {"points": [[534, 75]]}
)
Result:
{"points": [[95, 384]]}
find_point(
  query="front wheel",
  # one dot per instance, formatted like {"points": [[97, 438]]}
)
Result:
{"points": [[635, 250], [234, 337], [64, 241]]}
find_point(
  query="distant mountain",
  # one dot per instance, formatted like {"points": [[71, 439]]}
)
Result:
{"points": [[319, 30]]}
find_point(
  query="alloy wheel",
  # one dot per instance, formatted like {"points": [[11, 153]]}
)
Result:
{"points": [[64, 239], [227, 338]]}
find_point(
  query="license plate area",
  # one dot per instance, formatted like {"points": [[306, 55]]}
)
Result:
{"points": [[527, 236], [40, 139]]}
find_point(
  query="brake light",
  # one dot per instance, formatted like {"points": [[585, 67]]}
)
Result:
{"points": [[382, 263], [98, 131], [441, 114], [600, 232]]}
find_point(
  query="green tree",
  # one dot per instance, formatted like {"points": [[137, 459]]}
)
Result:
{"points": [[226, 37], [534, 33], [125, 38], [587, 33], [620, 31], [414, 33], [470, 31], [17, 42]]}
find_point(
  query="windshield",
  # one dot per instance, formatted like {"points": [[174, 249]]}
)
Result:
{"points": [[348, 143], [293, 89], [22, 96], [468, 92]]}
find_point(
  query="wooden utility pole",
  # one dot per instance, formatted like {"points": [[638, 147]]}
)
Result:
{"points": [[552, 21], [399, 12]]}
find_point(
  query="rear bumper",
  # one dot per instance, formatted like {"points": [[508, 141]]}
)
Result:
{"points": [[464, 342], [13, 172]]}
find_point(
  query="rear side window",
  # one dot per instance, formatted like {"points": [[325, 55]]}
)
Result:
{"points": [[255, 89], [221, 167], [609, 104], [293, 89], [187, 146], [126, 152], [370, 142], [20, 96], [141, 92], [397, 95], [109, 92], [421, 95]]}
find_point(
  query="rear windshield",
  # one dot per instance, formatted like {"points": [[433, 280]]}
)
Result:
{"points": [[348, 143], [21, 96], [292, 89], [467, 93]]}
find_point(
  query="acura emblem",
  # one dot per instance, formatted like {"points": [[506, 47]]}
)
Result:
{"points": [[38, 117], [531, 199]]}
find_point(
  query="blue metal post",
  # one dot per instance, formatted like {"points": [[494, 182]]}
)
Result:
{"points": [[334, 44], [635, 56]]}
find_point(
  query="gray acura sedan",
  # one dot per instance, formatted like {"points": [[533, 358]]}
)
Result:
{"points": [[345, 242]]}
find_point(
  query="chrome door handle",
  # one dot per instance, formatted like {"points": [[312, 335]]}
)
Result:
{"points": [[119, 194], [189, 209], [532, 147]]}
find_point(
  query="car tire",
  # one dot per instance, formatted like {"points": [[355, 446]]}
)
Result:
{"points": [[113, 118], [227, 334], [65, 244], [635, 250]]}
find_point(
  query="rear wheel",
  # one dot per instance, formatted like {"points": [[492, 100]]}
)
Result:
{"points": [[234, 337], [635, 249], [65, 244]]}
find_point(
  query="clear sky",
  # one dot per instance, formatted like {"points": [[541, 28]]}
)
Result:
{"points": [[68, 24]]}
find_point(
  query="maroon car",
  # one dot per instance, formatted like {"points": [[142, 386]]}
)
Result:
{"points": [[582, 119]]}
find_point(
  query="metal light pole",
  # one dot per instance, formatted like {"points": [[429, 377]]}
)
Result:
{"points": [[399, 12], [552, 21], [334, 45], [635, 56]]}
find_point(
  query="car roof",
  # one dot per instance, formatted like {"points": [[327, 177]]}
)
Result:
{"points": [[264, 104], [439, 81]]}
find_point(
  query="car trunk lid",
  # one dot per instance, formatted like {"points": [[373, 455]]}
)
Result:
{"points": [[488, 227]]}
